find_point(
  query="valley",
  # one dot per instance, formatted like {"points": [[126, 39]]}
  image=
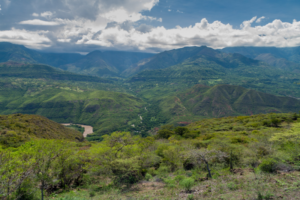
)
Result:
{"points": [[192, 123], [140, 92]]}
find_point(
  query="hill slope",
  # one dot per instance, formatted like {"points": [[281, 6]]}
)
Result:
{"points": [[105, 111], [211, 67], [224, 100], [20, 70], [18, 128]]}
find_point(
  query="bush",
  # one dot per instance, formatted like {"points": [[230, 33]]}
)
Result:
{"points": [[181, 131], [190, 197], [148, 177], [187, 184], [232, 186], [164, 133], [191, 134], [163, 171], [179, 178], [268, 165]]}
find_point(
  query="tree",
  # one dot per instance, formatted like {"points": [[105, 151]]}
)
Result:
{"points": [[181, 130], [164, 133], [15, 167], [45, 154], [199, 157]]}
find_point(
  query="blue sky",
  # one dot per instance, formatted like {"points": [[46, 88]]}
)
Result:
{"points": [[148, 25], [226, 11]]}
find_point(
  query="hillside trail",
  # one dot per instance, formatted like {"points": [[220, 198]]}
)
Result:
{"points": [[87, 129]]}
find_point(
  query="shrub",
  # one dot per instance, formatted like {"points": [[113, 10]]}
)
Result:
{"points": [[190, 197], [181, 131], [232, 186], [92, 194], [240, 139], [268, 165], [148, 176], [191, 134], [187, 184], [164, 133], [163, 171], [179, 178]]}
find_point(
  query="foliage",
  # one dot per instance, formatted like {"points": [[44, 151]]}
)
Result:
{"points": [[17, 129], [187, 184], [268, 165]]}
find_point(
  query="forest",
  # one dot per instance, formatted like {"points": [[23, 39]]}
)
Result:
{"points": [[243, 157]]}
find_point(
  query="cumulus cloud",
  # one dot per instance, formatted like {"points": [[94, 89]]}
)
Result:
{"points": [[126, 36], [36, 39], [215, 34], [47, 14], [260, 19], [123, 25]]}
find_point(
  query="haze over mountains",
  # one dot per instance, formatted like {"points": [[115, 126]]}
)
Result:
{"points": [[139, 91]]}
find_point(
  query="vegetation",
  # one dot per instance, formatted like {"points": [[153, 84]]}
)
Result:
{"points": [[17, 129], [182, 166]]}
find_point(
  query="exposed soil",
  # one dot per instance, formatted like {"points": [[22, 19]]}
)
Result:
{"points": [[87, 129]]}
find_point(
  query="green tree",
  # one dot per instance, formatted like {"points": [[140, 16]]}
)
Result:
{"points": [[46, 154], [181, 130], [15, 167]]}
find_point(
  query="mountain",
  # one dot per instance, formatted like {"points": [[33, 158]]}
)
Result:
{"points": [[96, 63], [224, 100], [21, 70], [19, 53], [18, 128], [281, 63], [291, 54], [164, 59], [105, 63], [190, 54], [212, 67]]}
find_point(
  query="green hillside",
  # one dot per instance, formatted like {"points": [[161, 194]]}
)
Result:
{"points": [[164, 59], [20, 70], [211, 67], [105, 111], [18, 128], [244, 157], [222, 100]]}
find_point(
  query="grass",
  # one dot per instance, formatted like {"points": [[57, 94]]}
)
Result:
{"points": [[246, 186]]}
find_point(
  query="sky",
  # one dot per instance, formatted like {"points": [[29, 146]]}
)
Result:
{"points": [[148, 25]]}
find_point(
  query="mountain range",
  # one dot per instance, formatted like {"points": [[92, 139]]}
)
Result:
{"points": [[139, 91]]}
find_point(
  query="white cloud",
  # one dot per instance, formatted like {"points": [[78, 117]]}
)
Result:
{"points": [[260, 19], [169, 10], [39, 22], [122, 25], [216, 35], [31, 39], [125, 36], [47, 14]]}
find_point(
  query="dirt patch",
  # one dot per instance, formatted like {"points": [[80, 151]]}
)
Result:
{"points": [[87, 129]]}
